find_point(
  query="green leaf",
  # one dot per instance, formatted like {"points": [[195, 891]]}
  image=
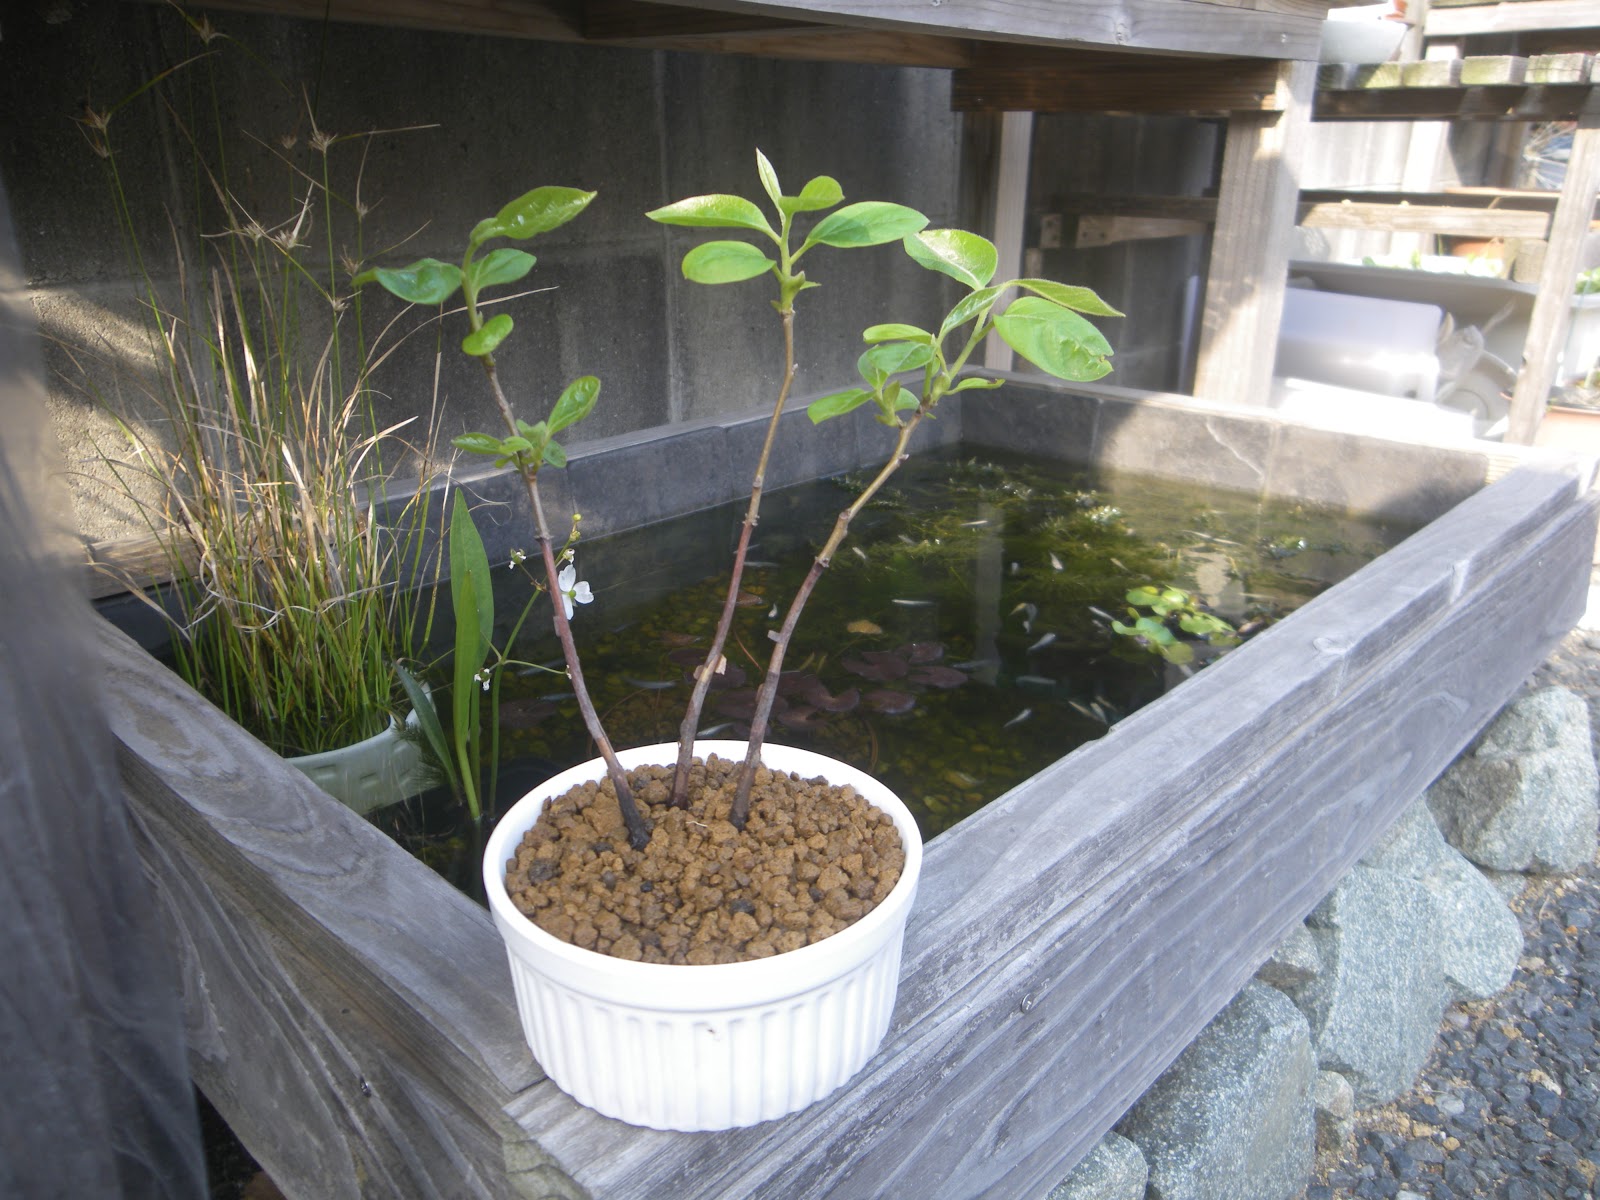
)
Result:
{"points": [[1079, 299], [970, 306], [485, 338], [428, 721], [769, 180], [1054, 339], [538, 211], [974, 381], [837, 404], [576, 403], [1177, 652], [1143, 597], [890, 358], [512, 446], [532, 432], [554, 455], [477, 443], [888, 333], [502, 265], [965, 257], [869, 223], [725, 262], [822, 192], [713, 212], [471, 591], [426, 281]]}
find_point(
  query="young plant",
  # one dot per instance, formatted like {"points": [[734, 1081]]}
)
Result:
{"points": [[866, 223], [1045, 327], [1170, 612], [527, 447]]}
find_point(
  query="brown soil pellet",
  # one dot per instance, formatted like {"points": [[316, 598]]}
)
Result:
{"points": [[812, 859]]}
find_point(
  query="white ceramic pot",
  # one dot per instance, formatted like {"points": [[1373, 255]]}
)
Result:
{"points": [[705, 1047]]}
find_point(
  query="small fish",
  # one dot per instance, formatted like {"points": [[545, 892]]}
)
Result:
{"points": [[1055, 563], [863, 626], [910, 541], [772, 613], [1101, 613], [650, 685], [1031, 609], [1042, 642], [558, 696], [1018, 719], [1015, 567], [1036, 680], [1092, 713], [713, 730], [761, 565], [1120, 566], [912, 603], [859, 553], [975, 524], [972, 664]]}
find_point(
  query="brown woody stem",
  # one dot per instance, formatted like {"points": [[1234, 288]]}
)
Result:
{"points": [[769, 685], [702, 683], [638, 827]]}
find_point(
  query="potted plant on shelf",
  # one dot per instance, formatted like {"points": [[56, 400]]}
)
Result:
{"points": [[249, 450], [707, 934]]}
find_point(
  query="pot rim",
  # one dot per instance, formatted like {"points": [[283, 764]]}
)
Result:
{"points": [[885, 918]]}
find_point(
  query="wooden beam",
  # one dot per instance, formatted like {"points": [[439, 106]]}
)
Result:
{"points": [[1271, 29], [1106, 231], [1520, 17], [1010, 208], [1549, 102], [554, 21], [612, 20], [1250, 246], [1547, 327], [1101, 83]]}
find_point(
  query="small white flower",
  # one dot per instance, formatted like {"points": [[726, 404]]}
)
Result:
{"points": [[518, 557], [573, 590], [483, 678]]}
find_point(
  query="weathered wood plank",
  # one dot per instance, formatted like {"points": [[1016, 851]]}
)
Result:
{"points": [[1132, 887], [1098, 83], [316, 869], [1275, 29], [1554, 102], [1552, 304], [1250, 245], [1523, 16]]}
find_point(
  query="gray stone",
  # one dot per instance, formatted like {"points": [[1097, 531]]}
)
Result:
{"points": [[1477, 937], [1334, 1102], [1233, 1115], [1294, 963], [1523, 797], [1113, 1170], [1374, 1009]]}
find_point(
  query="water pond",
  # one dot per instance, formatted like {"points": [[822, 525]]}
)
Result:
{"points": [[961, 642]]}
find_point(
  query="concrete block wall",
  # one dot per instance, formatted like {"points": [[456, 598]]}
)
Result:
{"points": [[475, 121]]}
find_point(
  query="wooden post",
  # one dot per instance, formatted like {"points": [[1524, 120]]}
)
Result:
{"points": [[1547, 328], [1010, 214], [1250, 247]]}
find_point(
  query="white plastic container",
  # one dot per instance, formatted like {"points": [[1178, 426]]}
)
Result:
{"points": [[705, 1047], [384, 768], [1360, 342]]}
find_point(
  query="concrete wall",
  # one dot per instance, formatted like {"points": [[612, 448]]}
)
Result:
{"points": [[642, 128]]}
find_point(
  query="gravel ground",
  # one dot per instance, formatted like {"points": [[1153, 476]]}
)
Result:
{"points": [[1508, 1107]]}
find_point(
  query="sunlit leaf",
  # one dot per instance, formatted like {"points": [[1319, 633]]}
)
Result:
{"points": [[428, 720], [1054, 339], [890, 333], [724, 262], [426, 281], [502, 265], [576, 403], [713, 212], [869, 223], [1079, 299], [963, 256], [971, 306], [476, 443], [837, 404], [769, 180], [893, 357], [822, 192], [471, 589], [486, 337], [535, 212], [975, 381]]}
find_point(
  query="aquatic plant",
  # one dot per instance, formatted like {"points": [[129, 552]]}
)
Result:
{"points": [[1167, 620], [247, 444]]}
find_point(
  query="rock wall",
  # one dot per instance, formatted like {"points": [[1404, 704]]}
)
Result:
{"points": [[1345, 1013]]}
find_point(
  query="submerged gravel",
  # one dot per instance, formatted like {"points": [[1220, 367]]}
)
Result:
{"points": [[1509, 1105]]}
